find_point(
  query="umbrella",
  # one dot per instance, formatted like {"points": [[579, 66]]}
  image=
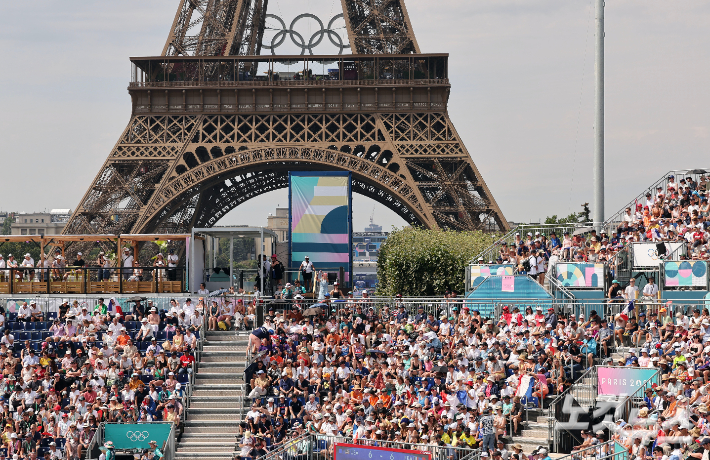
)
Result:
{"points": [[218, 292], [313, 311], [137, 299], [443, 369], [697, 171], [319, 305], [582, 231]]}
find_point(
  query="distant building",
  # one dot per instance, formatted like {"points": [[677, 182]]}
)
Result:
{"points": [[366, 251], [40, 223], [279, 223]]}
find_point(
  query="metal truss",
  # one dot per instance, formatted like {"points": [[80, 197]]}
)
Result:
{"points": [[217, 28], [170, 173], [199, 142], [236, 27]]}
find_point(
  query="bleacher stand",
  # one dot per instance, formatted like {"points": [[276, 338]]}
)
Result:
{"points": [[64, 376]]}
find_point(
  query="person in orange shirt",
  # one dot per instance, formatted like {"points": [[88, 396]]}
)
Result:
{"points": [[122, 339], [356, 394], [332, 339]]}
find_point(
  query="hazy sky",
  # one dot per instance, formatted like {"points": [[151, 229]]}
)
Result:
{"points": [[522, 94]]}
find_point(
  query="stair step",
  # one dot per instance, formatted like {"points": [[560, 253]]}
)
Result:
{"points": [[211, 421], [216, 379], [218, 370], [226, 411], [233, 366], [222, 348], [214, 393], [536, 434], [191, 435], [209, 430], [215, 404], [200, 442], [204, 455], [526, 440], [206, 447], [224, 357]]}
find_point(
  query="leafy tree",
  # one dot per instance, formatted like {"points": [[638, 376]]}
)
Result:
{"points": [[243, 248], [574, 218], [7, 224], [418, 262]]}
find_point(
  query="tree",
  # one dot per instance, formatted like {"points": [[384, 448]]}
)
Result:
{"points": [[418, 262], [574, 218], [7, 224]]}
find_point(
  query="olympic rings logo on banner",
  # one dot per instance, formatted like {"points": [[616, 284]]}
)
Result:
{"points": [[137, 435], [280, 37]]}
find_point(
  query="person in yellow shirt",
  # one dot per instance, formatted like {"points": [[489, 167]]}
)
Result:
{"points": [[135, 382], [468, 438]]}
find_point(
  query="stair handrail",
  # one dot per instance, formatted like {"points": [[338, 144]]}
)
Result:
{"points": [[677, 252], [509, 237], [617, 216], [284, 446], [496, 244], [640, 391], [607, 450], [558, 287], [437, 452], [556, 404], [187, 397]]}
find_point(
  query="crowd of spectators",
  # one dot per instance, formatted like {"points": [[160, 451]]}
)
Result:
{"points": [[446, 376], [64, 374], [678, 212], [451, 378]]}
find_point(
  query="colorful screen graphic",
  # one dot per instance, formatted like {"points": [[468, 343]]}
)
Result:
{"points": [[686, 273], [359, 452], [580, 275], [619, 381], [320, 223], [480, 272]]}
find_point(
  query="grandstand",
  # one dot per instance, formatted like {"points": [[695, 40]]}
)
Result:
{"points": [[500, 372]]}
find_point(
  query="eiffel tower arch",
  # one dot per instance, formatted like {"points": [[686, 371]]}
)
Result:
{"points": [[214, 124]]}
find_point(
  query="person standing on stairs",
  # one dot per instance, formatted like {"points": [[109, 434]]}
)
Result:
{"points": [[256, 336]]}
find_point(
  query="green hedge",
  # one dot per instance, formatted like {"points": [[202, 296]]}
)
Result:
{"points": [[419, 262]]}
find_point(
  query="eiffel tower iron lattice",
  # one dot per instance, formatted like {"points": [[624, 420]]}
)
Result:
{"points": [[207, 132]]}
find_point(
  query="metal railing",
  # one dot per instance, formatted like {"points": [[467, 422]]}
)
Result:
{"points": [[434, 305], [51, 304], [490, 254], [197, 353], [635, 399], [558, 414], [169, 446], [93, 445], [556, 288], [612, 222], [92, 280], [609, 450], [677, 253], [310, 446], [289, 83]]}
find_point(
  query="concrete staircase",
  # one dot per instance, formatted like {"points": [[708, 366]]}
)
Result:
{"points": [[216, 403], [534, 432]]}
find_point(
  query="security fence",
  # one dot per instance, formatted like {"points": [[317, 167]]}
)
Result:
{"points": [[92, 280], [311, 446]]}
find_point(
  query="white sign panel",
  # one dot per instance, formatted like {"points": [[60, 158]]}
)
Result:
{"points": [[646, 254]]}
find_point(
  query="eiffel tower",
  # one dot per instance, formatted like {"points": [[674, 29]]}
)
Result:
{"points": [[208, 131]]}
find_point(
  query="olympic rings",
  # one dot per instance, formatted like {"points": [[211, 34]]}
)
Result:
{"points": [[137, 435], [298, 40]]}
